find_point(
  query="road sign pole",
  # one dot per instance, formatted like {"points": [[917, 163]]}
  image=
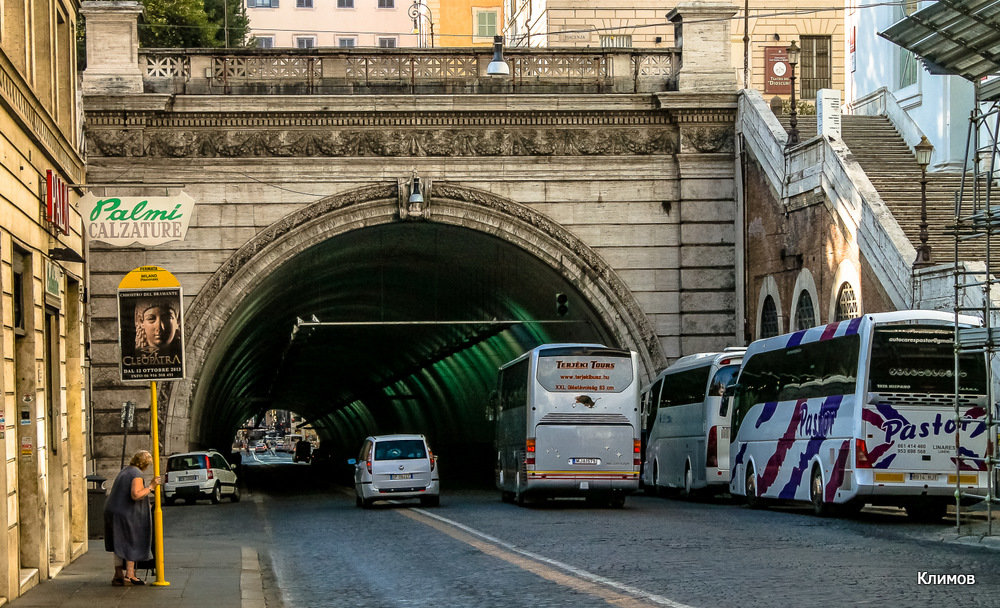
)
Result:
{"points": [[157, 509]]}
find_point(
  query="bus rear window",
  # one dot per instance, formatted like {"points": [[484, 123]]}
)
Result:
{"points": [[922, 360], [600, 373]]}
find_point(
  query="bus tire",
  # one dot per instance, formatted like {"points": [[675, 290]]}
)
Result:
{"points": [[688, 481], [750, 489], [820, 507]]}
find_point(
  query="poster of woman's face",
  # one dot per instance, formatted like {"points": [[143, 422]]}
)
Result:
{"points": [[151, 334]]}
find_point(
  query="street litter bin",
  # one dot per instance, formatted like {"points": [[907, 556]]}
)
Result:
{"points": [[95, 506]]}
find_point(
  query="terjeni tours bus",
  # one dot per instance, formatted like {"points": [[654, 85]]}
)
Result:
{"points": [[687, 423], [861, 412], [568, 423]]}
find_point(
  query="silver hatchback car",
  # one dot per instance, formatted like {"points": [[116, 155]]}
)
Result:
{"points": [[392, 467]]}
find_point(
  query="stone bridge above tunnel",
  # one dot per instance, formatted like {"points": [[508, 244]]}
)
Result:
{"points": [[603, 175]]}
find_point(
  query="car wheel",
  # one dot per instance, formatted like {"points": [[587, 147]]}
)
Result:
{"points": [[821, 508], [430, 501], [216, 494], [357, 501], [235, 496], [750, 489]]}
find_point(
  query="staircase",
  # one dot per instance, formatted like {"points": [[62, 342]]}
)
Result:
{"points": [[887, 160]]}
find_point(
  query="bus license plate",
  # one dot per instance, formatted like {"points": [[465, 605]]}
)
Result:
{"points": [[923, 476], [401, 476], [585, 461]]}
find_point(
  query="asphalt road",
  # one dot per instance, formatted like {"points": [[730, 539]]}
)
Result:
{"points": [[473, 550]]}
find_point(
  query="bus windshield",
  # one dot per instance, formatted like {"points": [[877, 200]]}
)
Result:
{"points": [[921, 359]]}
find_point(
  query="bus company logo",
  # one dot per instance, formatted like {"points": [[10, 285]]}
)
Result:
{"points": [[585, 400], [819, 424], [904, 430]]}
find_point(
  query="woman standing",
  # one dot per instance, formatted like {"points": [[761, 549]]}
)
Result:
{"points": [[128, 530]]}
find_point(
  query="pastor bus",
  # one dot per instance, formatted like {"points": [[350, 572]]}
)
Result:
{"points": [[687, 424], [568, 424], [861, 412]]}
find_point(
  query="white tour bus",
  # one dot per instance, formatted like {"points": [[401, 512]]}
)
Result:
{"points": [[861, 412], [568, 424], [687, 423]]}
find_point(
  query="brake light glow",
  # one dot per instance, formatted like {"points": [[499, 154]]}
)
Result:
{"points": [[636, 452], [208, 468], [529, 451], [861, 460], [433, 458], [368, 463], [712, 458]]}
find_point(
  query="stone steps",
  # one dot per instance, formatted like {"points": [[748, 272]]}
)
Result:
{"points": [[890, 166]]}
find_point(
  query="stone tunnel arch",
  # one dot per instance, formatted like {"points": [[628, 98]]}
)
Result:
{"points": [[380, 204]]}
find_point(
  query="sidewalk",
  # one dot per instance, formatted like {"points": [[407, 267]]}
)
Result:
{"points": [[201, 573]]}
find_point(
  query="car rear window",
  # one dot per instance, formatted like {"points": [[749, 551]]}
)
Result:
{"points": [[186, 463], [400, 449]]}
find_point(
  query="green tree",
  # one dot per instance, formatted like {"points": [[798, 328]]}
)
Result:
{"points": [[235, 21], [177, 24]]}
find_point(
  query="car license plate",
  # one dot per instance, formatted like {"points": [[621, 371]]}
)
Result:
{"points": [[187, 478], [585, 461], [401, 476], [924, 476]]}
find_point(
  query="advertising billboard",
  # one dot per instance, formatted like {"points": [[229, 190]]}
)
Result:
{"points": [[151, 328]]}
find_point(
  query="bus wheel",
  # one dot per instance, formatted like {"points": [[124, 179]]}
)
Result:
{"points": [[750, 489], [820, 507], [688, 481]]}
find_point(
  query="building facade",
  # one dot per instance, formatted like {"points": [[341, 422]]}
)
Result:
{"points": [[42, 292], [331, 23]]}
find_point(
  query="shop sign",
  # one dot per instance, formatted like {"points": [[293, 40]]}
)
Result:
{"points": [[123, 221], [56, 202], [777, 71]]}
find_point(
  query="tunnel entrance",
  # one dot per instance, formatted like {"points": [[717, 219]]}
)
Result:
{"points": [[365, 324]]}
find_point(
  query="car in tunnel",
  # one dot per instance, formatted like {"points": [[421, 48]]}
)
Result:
{"points": [[202, 475], [395, 467]]}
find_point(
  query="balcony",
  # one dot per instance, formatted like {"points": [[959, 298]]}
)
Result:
{"points": [[405, 71]]}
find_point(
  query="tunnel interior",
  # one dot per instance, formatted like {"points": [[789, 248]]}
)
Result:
{"points": [[388, 329]]}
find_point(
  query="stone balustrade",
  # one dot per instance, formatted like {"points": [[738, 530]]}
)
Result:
{"points": [[405, 71]]}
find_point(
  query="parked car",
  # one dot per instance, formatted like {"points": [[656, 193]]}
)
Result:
{"points": [[199, 475], [394, 467]]}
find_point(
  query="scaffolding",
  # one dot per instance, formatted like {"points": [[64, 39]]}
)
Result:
{"points": [[977, 228]]}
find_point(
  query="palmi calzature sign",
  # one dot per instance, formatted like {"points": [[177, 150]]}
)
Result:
{"points": [[122, 221]]}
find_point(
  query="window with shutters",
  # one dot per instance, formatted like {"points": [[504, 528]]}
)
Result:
{"points": [[906, 60], [815, 65], [485, 24]]}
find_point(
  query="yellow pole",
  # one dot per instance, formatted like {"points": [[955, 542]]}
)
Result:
{"points": [[157, 509]]}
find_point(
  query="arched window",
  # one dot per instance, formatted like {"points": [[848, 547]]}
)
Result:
{"points": [[805, 315], [847, 303], [768, 318]]}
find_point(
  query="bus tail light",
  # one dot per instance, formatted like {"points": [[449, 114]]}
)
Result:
{"points": [[208, 468], [637, 452], [861, 460], [529, 451], [712, 458]]}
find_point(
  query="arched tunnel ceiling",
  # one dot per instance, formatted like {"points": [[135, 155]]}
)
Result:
{"points": [[384, 373]]}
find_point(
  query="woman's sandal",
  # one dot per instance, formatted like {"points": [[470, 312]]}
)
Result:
{"points": [[118, 582], [136, 581]]}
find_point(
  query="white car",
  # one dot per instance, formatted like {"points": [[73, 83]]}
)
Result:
{"points": [[393, 467], [199, 475]]}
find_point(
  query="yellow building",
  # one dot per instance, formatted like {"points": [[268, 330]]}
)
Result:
{"points": [[465, 23], [42, 293]]}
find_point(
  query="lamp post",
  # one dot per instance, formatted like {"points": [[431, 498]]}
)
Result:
{"points": [[415, 13], [923, 151], [793, 121]]}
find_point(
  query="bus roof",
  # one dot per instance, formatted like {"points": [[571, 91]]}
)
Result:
{"points": [[857, 325], [540, 348]]}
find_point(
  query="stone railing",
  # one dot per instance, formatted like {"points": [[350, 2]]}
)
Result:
{"points": [[821, 168], [345, 71]]}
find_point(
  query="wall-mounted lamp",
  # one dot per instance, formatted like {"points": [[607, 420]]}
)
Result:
{"points": [[498, 67]]}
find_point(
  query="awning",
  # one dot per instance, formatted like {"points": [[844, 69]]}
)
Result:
{"points": [[957, 37]]}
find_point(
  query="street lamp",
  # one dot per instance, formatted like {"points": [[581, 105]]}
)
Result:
{"points": [[923, 152], [498, 67], [415, 13], [793, 122]]}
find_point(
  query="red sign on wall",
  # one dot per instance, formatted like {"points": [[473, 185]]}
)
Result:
{"points": [[777, 72], [56, 202]]}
